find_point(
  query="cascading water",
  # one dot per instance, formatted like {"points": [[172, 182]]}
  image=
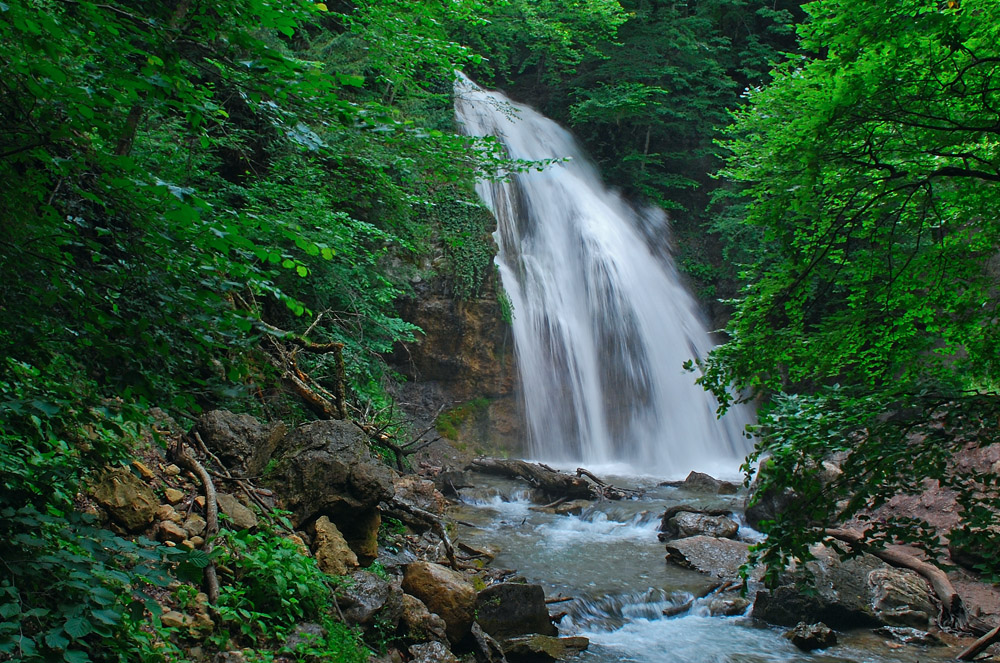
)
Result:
{"points": [[602, 324]]}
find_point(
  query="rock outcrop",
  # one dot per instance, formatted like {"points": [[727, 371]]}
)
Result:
{"points": [[464, 356], [327, 470], [855, 592], [243, 444]]}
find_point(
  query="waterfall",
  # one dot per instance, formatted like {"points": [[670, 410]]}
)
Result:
{"points": [[602, 323]]}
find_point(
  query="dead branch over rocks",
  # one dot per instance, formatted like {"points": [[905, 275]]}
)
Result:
{"points": [[553, 483]]}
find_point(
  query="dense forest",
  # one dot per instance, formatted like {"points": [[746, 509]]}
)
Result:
{"points": [[214, 204]]}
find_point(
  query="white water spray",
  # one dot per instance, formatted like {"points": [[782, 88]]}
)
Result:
{"points": [[602, 324]]}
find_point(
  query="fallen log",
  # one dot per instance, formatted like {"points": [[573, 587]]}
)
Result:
{"points": [[551, 482], [953, 613]]}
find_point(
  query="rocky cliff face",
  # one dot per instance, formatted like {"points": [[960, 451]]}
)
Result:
{"points": [[463, 363]]}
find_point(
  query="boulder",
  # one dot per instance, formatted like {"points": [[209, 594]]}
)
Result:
{"points": [[368, 599], [195, 525], [687, 524], [243, 444], [856, 592], [542, 648], [900, 597], [485, 648], [444, 592], [432, 652], [699, 482], [510, 609], [719, 557], [327, 470], [728, 607], [168, 530], [128, 500], [239, 515], [420, 493], [418, 624], [449, 482], [173, 496], [333, 555], [305, 634], [808, 637]]}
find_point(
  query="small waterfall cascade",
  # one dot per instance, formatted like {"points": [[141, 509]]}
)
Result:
{"points": [[602, 323]]}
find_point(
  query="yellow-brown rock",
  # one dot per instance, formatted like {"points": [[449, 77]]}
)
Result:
{"points": [[332, 553], [128, 500], [144, 471], [444, 592], [173, 495], [168, 530]]}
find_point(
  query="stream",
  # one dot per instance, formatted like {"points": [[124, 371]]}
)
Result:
{"points": [[609, 560]]}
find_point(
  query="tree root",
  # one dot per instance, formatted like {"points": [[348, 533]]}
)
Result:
{"points": [[243, 482], [211, 518], [953, 613]]}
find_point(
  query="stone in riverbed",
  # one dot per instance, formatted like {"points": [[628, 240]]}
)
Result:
{"points": [[539, 648], [728, 607], [808, 637], [719, 557], [694, 524], [510, 609], [700, 482]]}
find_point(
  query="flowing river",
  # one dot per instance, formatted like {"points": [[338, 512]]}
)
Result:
{"points": [[602, 325], [608, 559]]}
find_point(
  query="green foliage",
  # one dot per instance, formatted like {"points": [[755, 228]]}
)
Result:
{"points": [[870, 174], [506, 305], [450, 421], [273, 587], [68, 588], [466, 231]]}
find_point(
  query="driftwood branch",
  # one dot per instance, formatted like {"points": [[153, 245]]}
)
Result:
{"points": [[979, 645], [211, 517], [953, 613]]}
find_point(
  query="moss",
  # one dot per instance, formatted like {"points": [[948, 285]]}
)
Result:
{"points": [[450, 421]]}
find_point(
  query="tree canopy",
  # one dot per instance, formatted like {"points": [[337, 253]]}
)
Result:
{"points": [[869, 170]]}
